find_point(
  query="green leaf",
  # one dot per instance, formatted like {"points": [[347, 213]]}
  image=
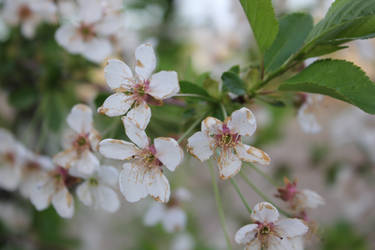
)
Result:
{"points": [[262, 20], [345, 21], [336, 78], [323, 49], [235, 69], [233, 83], [191, 88], [294, 29], [212, 87], [23, 98]]}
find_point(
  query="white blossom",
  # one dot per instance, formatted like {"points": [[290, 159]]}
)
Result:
{"points": [[28, 14], [307, 114], [134, 92], [89, 28], [143, 174], [80, 143], [52, 187], [226, 137], [269, 231], [97, 190], [183, 241], [170, 215], [12, 155]]}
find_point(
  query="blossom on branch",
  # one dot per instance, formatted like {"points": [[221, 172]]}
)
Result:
{"points": [[270, 232], [134, 92], [225, 138]]}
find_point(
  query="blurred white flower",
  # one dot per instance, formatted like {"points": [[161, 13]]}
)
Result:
{"points": [[88, 30], [299, 200], [14, 217], [183, 241], [270, 232], [226, 136], [171, 214], [32, 171], [97, 190], [306, 114], [4, 30], [12, 155], [28, 14], [137, 90], [80, 143], [53, 188], [143, 175]]}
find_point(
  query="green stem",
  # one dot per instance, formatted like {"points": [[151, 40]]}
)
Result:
{"points": [[188, 131], [207, 98], [219, 205], [235, 185], [261, 194], [264, 175], [223, 110]]}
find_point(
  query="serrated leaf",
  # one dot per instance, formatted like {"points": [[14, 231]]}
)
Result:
{"points": [[233, 83], [336, 78], [345, 21], [293, 30], [191, 88], [262, 20]]}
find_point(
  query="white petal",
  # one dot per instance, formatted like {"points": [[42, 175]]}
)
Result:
{"points": [[89, 12], [41, 194], [254, 245], [66, 158], [307, 120], [94, 139], [10, 177], [211, 126], [28, 28], [84, 194], [309, 199], [63, 202], [229, 164], [145, 61], [276, 243], [246, 234], [265, 212], [182, 194], [174, 220], [67, 38], [140, 115], [135, 134], [168, 152], [132, 178], [85, 165], [108, 175], [107, 199], [80, 119], [97, 50], [296, 243], [242, 122], [164, 84], [116, 105], [118, 74], [251, 154], [290, 227], [200, 146], [157, 185], [155, 214], [117, 149]]}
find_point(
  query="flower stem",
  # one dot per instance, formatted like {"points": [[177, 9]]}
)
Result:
{"points": [[261, 194], [223, 110], [234, 183], [188, 131], [264, 175], [207, 98], [219, 205]]}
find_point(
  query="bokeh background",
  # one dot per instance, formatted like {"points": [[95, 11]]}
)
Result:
{"points": [[40, 81]]}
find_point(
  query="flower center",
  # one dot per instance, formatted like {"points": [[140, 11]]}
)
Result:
{"points": [[93, 182], [148, 157], [226, 139], [86, 31], [9, 157], [24, 12], [265, 229], [82, 142]]}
